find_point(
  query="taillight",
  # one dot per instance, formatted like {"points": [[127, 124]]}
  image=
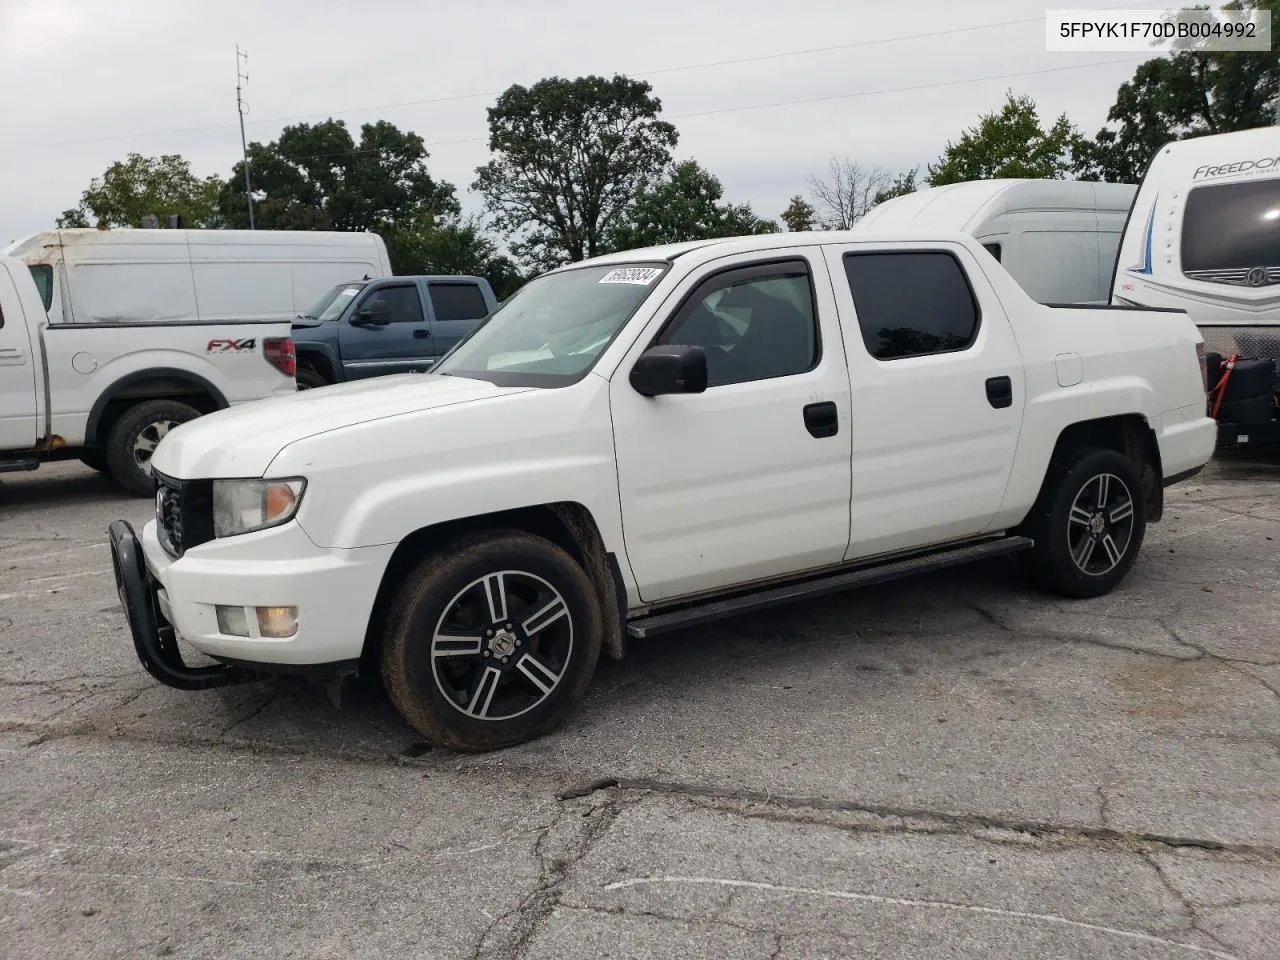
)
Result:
{"points": [[280, 354], [1204, 366]]}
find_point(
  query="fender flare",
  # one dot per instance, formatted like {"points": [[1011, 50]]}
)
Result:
{"points": [[113, 391], [322, 348]]}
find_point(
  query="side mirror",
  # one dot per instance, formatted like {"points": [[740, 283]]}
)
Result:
{"points": [[670, 369], [375, 314]]}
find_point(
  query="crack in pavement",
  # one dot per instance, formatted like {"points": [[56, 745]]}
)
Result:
{"points": [[540, 903]]}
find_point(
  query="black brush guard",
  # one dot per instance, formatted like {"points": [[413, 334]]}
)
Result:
{"points": [[154, 639]]}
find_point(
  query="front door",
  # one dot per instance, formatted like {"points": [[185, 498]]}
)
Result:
{"points": [[19, 423], [938, 394], [400, 343], [750, 479]]}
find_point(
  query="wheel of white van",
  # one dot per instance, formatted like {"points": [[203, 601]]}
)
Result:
{"points": [[134, 437], [492, 641], [94, 460], [1088, 525]]}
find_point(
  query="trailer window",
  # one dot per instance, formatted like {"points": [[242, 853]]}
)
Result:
{"points": [[42, 274], [1231, 229]]}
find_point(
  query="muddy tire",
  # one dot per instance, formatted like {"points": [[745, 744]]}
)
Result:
{"points": [[134, 437], [1088, 525], [491, 641]]}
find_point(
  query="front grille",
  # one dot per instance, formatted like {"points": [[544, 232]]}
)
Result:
{"points": [[184, 513], [1239, 276]]}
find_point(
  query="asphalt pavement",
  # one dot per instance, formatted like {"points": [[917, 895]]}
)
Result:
{"points": [[953, 766]]}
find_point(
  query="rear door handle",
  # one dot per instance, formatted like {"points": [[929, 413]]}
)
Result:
{"points": [[1000, 392], [421, 334], [822, 419]]}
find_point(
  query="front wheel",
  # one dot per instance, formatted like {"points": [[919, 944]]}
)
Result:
{"points": [[1088, 525], [134, 437], [492, 641]]}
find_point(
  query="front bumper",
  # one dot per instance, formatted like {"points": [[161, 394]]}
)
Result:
{"points": [[333, 590]]}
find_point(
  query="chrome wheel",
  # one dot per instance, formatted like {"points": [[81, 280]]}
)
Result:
{"points": [[502, 645], [148, 438], [1100, 525]]}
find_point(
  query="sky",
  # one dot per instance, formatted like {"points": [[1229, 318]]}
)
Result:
{"points": [[85, 82]]}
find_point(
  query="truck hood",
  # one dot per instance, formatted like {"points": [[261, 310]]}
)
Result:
{"points": [[243, 440]]}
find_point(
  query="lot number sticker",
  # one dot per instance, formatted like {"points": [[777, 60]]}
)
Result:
{"points": [[641, 275]]}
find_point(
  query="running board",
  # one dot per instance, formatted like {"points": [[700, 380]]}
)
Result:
{"points": [[18, 466], [710, 611]]}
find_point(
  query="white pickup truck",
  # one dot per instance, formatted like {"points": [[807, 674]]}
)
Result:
{"points": [[650, 440], [108, 392]]}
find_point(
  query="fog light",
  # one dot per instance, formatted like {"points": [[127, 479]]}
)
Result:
{"points": [[277, 622], [232, 621]]}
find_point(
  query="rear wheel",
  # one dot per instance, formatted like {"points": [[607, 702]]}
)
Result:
{"points": [[134, 437], [1088, 525], [492, 641], [308, 378]]}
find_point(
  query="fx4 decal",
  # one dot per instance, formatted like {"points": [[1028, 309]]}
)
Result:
{"points": [[231, 346]]}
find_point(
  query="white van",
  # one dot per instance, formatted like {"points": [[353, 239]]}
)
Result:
{"points": [[139, 276], [1058, 238], [1205, 237]]}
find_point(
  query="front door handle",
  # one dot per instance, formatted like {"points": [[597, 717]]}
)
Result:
{"points": [[822, 419], [421, 334], [1000, 392]]}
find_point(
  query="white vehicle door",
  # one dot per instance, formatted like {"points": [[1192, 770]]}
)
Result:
{"points": [[749, 479], [938, 394], [19, 422]]}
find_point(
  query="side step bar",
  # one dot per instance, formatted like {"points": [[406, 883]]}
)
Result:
{"points": [[648, 626], [18, 466]]}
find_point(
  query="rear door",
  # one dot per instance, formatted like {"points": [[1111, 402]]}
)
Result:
{"points": [[19, 419], [457, 306], [937, 394], [386, 332]]}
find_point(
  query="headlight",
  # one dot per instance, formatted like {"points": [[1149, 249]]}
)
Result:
{"points": [[243, 506]]}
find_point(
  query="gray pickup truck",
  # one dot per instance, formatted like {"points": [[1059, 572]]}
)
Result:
{"points": [[368, 328]]}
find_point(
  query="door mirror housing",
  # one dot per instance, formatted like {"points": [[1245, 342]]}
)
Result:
{"points": [[375, 314], [670, 369]]}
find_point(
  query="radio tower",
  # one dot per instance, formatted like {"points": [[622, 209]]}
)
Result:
{"points": [[242, 58]]}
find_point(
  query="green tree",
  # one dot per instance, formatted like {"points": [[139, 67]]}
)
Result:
{"points": [[1183, 95], [316, 177], [799, 215], [568, 159], [903, 184], [140, 186], [453, 245], [1010, 143], [684, 205]]}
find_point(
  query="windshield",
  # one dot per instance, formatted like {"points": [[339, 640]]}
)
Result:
{"points": [[331, 305], [551, 332]]}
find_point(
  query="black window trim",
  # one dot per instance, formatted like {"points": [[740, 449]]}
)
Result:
{"points": [[973, 298], [32, 268], [998, 253], [752, 271], [367, 293]]}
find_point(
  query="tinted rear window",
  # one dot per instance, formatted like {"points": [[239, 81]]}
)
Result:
{"points": [[1232, 225], [458, 301], [911, 303]]}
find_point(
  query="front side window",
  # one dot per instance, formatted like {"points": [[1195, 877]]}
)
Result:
{"points": [[1231, 229], [42, 274], [401, 302], [457, 301], [753, 323], [554, 329], [911, 303]]}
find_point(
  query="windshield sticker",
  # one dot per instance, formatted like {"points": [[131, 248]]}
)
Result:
{"points": [[639, 275]]}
